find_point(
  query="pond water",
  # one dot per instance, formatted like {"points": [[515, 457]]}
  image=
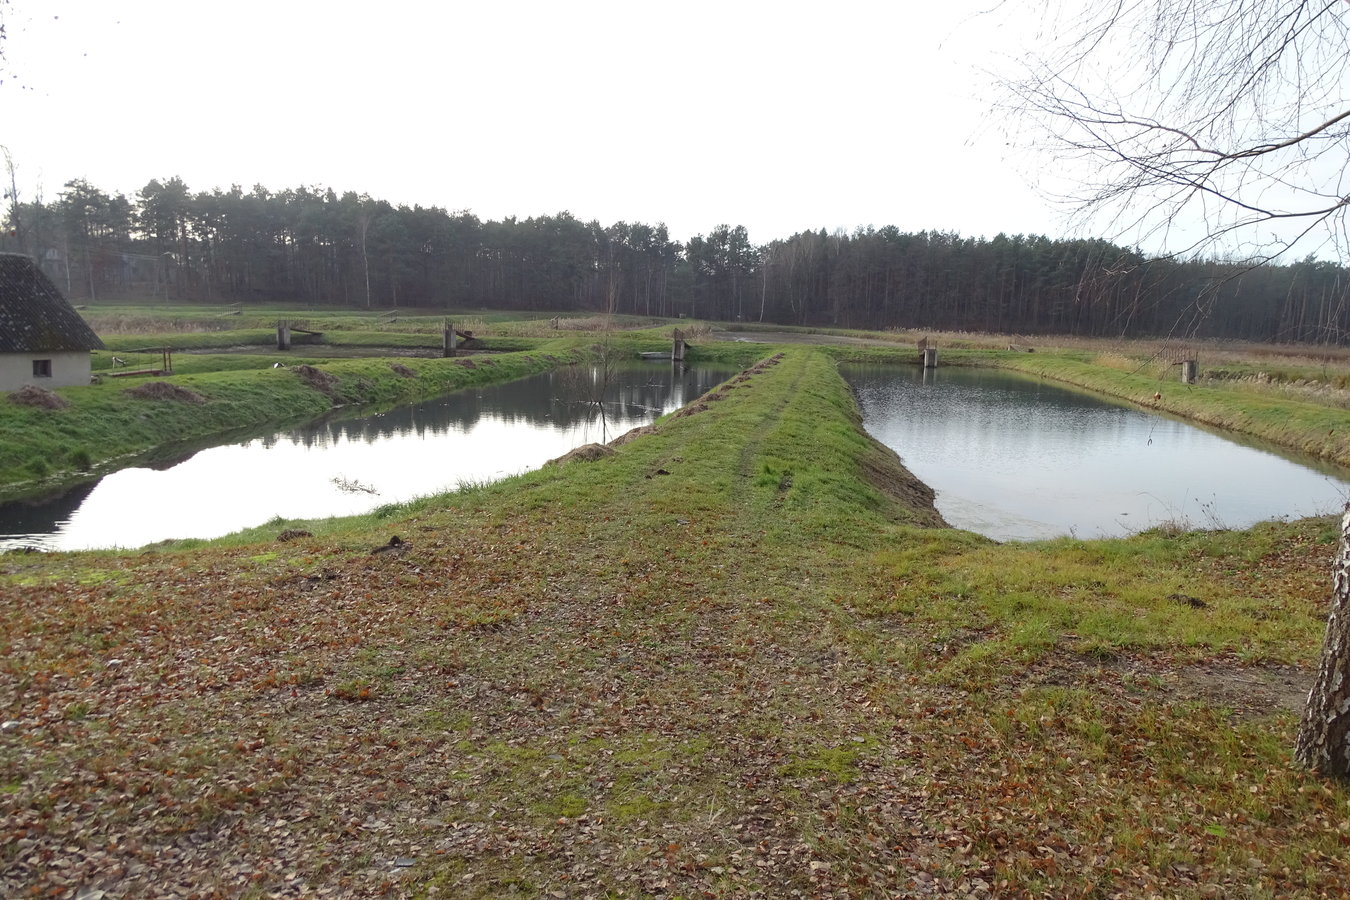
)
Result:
{"points": [[1015, 458], [351, 465]]}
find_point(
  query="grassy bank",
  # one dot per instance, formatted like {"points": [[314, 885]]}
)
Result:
{"points": [[1309, 426], [202, 327], [103, 422], [150, 342], [734, 658], [224, 392]]}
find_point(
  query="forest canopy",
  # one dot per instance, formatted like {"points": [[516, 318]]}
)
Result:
{"points": [[312, 245]]}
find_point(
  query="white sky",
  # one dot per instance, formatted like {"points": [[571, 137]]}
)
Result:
{"points": [[780, 116]]}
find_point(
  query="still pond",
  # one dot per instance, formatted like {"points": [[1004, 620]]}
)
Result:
{"points": [[1010, 457], [352, 465], [1017, 458]]}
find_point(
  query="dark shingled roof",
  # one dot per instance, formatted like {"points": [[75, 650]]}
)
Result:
{"points": [[34, 317]]}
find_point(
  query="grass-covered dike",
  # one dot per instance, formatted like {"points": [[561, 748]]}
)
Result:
{"points": [[99, 423], [737, 657], [211, 393]]}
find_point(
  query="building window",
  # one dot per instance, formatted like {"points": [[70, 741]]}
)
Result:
{"points": [[42, 368]]}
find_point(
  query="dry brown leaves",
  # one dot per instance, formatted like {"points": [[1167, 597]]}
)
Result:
{"points": [[542, 701]]}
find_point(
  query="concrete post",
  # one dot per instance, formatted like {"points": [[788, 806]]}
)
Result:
{"points": [[1189, 369], [930, 358], [448, 342], [283, 336]]}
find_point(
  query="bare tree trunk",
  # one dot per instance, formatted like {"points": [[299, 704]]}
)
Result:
{"points": [[1324, 735], [15, 206], [364, 222], [763, 287]]}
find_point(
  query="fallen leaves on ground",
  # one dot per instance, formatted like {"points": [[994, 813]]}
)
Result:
{"points": [[558, 700]]}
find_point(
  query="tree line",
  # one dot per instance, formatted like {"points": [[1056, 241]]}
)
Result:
{"points": [[311, 245]]}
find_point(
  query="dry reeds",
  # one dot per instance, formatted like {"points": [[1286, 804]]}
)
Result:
{"points": [[589, 323], [130, 323], [1147, 366]]}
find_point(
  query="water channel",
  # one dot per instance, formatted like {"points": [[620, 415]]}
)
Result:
{"points": [[1016, 458], [341, 466], [1010, 457]]}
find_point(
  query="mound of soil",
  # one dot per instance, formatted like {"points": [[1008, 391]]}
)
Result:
{"points": [[293, 534], [32, 395], [632, 435], [318, 379], [403, 371], [764, 364], [467, 363], [587, 452], [162, 390]]}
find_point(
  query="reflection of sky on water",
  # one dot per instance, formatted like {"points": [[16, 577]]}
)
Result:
{"points": [[1018, 459], [472, 436]]}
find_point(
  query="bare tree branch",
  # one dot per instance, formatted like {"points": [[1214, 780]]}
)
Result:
{"points": [[1227, 115]]}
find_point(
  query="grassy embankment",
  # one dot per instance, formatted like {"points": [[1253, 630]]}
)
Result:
{"points": [[1307, 424], [126, 328], [105, 422], [728, 659]]}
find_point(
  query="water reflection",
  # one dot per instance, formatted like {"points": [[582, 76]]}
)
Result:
{"points": [[1015, 458], [346, 465]]}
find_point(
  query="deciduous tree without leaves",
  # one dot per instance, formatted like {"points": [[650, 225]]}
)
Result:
{"points": [[1233, 114]]}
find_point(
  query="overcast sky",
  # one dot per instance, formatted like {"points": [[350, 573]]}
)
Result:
{"points": [[777, 116]]}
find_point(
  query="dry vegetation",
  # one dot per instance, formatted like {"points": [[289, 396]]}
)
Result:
{"points": [[39, 398], [316, 378], [109, 323]]}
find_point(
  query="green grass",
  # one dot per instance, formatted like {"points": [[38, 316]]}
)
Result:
{"points": [[764, 672], [1307, 426], [104, 422], [144, 346]]}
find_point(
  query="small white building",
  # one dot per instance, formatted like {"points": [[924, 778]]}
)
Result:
{"points": [[43, 340]]}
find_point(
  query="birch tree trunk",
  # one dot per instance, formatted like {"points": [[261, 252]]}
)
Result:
{"points": [[1324, 735]]}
